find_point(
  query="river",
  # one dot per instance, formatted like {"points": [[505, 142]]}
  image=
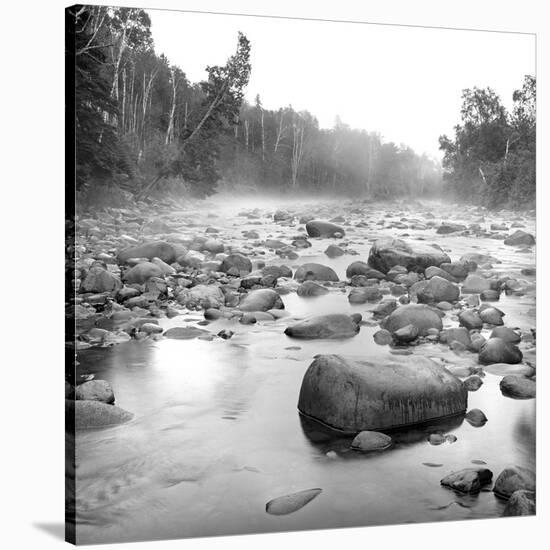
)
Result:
{"points": [[217, 433]]}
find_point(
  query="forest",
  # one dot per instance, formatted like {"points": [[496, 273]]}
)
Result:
{"points": [[142, 126]]}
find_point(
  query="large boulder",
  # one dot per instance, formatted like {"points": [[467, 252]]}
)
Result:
{"points": [[141, 272], [158, 249], [474, 284], [236, 264], [333, 325], [520, 238], [438, 289], [99, 279], [446, 227], [320, 228], [387, 252], [497, 350], [362, 268], [95, 390], [202, 297], [352, 396], [262, 299], [315, 272], [95, 414], [419, 315], [512, 479]]}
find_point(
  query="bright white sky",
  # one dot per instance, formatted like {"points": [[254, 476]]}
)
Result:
{"points": [[403, 82]]}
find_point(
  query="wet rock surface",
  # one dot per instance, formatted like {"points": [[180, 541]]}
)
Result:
{"points": [[353, 396]]}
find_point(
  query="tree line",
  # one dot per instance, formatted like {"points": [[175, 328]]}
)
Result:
{"points": [[141, 123], [492, 157]]}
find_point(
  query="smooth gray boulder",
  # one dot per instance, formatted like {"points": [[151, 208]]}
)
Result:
{"points": [[236, 264], [512, 479], [353, 396], [99, 279], [333, 251], [521, 503], [262, 299], [141, 272], [315, 272], [333, 325], [457, 334], [469, 480], [202, 297], [520, 238], [475, 284], [518, 387], [185, 333], [362, 268], [157, 249], [446, 227], [362, 294], [419, 315], [416, 256], [95, 390], [476, 418], [492, 316], [497, 350], [320, 228], [438, 289], [470, 319], [95, 414], [291, 503]]}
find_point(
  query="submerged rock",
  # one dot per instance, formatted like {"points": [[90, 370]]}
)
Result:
{"points": [[315, 272], [512, 479], [185, 333], [320, 228], [386, 253], [469, 480], [311, 288], [368, 441], [421, 316], [353, 396], [334, 325], [291, 503], [95, 414]]}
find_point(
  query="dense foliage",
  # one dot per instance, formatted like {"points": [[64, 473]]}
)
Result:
{"points": [[493, 154], [142, 125]]}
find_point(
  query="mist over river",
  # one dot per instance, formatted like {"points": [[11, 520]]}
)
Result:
{"points": [[216, 432]]}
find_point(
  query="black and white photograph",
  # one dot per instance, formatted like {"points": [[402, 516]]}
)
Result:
{"points": [[300, 274]]}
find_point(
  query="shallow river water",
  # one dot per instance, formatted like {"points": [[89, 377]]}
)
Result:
{"points": [[217, 433]]}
